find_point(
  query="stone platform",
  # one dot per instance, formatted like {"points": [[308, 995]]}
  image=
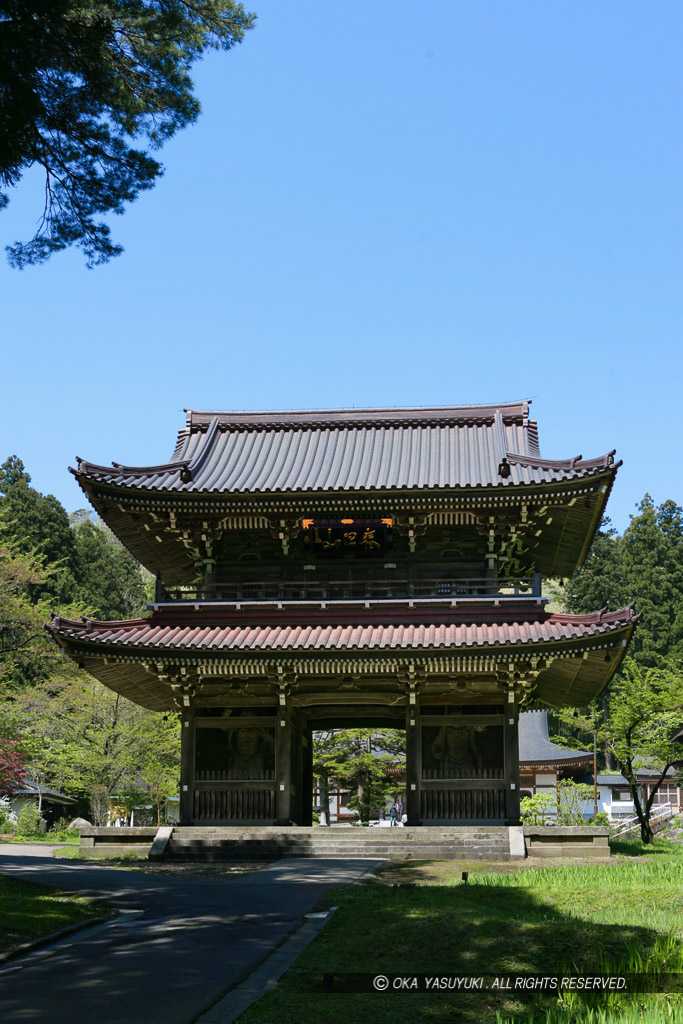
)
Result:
{"points": [[423, 843], [426, 842]]}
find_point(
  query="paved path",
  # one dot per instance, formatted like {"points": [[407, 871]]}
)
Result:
{"points": [[193, 941]]}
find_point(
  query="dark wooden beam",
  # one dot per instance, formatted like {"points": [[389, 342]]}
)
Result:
{"points": [[413, 772], [511, 748], [283, 767]]}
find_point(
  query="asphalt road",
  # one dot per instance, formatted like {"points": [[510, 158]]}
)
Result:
{"points": [[193, 941]]}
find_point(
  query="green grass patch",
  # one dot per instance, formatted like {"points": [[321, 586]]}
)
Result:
{"points": [[28, 911], [637, 848], [626, 915], [70, 836], [90, 854]]}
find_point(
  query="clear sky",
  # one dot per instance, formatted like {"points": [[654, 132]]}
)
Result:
{"points": [[384, 203]]}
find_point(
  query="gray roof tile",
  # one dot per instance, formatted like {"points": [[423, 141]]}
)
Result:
{"points": [[352, 450], [311, 636]]}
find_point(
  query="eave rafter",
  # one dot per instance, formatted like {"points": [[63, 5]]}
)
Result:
{"points": [[566, 672], [175, 534]]}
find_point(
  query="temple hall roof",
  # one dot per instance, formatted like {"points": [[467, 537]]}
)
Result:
{"points": [[536, 748]]}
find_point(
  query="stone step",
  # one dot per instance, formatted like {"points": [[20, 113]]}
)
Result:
{"points": [[230, 843], [445, 841], [351, 836], [415, 848], [429, 853], [401, 839]]}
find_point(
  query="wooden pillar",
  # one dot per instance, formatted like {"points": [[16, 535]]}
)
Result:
{"points": [[412, 804], [283, 766], [187, 749], [511, 742], [306, 787]]}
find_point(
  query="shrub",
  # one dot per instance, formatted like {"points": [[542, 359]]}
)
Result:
{"points": [[60, 830], [601, 818], [8, 819], [30, 822], [573, 799], [534, 809]]}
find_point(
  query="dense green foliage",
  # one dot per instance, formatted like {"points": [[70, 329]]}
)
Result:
{"points": [[71, 732], [645, 708], [78, 82], [29, 821], [567, 804], [644, 565], [370, 763], [35, 525], [633, 720]]}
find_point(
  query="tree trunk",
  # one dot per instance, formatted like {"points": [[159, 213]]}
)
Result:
{"points": [[324, 783], [609, 758], [642, 814]]}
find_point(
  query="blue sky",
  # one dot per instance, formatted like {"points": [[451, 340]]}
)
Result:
{"points": [[384, 203]]}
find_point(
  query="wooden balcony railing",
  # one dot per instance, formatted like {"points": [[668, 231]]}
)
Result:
{"points": [[311, 590]]}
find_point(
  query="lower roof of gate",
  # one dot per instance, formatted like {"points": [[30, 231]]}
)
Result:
{"points": [[572, 657]]}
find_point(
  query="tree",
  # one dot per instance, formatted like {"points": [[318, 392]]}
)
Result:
{"points": [[12, 766], [572, 800], [652, 556], [25, 653], [645, 708], [77, 734], [110, 580], [78, 82], [99, 804], [159, 767], [644, 565], [364, 760], [600, 582], [50, 561], [65, 728], [38, 527]]}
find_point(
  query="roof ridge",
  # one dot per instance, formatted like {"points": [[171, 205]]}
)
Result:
{"points": [[627, 613], [293, 418]]}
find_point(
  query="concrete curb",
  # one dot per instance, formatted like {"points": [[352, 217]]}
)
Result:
{"points": [[267, 975]]}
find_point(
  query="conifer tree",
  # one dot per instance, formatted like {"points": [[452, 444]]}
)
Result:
{"points": [[80, 82]]}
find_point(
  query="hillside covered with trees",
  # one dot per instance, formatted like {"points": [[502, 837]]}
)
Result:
{"points": [[634, 720], [70, 732]]}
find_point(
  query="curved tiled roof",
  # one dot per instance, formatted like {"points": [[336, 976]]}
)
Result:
{"points": [[146, 633], [352, 450]]}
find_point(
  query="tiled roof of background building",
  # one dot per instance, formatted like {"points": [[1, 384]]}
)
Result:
{"points": [[536, 748]]}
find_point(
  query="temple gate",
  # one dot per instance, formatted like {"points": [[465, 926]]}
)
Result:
{"points": [[363, 568]]}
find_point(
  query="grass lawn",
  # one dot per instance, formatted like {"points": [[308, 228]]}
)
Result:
{"points": [[28, 911], [47, 838], [44, 840], [618, 917]]}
